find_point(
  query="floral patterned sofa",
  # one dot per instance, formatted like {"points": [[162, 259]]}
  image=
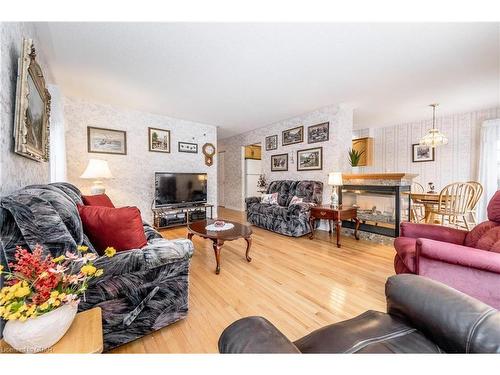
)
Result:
{"points": [[140, 291], [285, 218]]}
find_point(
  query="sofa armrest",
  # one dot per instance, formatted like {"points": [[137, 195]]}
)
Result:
{"points": [[251, 200], [433, 232], [157, 253], [254, 335], [456, 322], [457, 254]]}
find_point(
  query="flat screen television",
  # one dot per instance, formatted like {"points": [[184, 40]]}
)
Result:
{"points": [[180, 189]]}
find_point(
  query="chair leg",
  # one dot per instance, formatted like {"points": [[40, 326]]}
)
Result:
{"points": [[466, 223]]}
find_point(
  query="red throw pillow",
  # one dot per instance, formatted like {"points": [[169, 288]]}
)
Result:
{"points": [[118, 227], [97, 200]]}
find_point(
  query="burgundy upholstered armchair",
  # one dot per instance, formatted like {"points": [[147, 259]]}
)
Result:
{"points": [[466, 261]]}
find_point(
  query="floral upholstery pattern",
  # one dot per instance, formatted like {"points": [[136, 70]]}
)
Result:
{"points": [[141, 291], [285, 218]]}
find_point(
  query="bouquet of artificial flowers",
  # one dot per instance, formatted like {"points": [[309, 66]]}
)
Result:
{"points": [[39, 284]]}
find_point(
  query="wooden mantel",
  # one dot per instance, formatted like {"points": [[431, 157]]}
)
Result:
{"points": [[379, 176]]}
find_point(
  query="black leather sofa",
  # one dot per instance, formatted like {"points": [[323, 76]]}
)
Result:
{"points": [[423, 316]]}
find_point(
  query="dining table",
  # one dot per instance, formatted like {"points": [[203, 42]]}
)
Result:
{"points": [[429, 200]]}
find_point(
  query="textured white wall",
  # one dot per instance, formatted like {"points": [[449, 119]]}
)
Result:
{"points": [[133, 184], [334, 151], [16, 171], [456, 161]]}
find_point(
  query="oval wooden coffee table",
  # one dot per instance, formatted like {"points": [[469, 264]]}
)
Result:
{"points": [[219, 237]]}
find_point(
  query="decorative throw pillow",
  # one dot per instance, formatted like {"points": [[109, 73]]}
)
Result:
{"points": [[97, 200], [269, 198], [296, 200], [120, 228]]}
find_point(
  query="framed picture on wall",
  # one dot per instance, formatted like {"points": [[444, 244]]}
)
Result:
{"points": [[31, 129], [279, 163], [191, 148], [271, 142], [318, 133], [310, 159], [159, 140], [422, 153], [106, 141], [291, 136]]}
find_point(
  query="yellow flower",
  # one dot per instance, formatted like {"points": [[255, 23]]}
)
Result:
{"points": [[22, 292], [61, 296], [1, 269], [54, 294], [88, 270], [57, 302], [43, 275], [99, 272], [110, 251], [23, 318], [82, 248], [59, 259], [44, 306]]}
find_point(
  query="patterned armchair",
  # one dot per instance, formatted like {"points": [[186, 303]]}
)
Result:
{"points": [[284, 218], [141, 290]]}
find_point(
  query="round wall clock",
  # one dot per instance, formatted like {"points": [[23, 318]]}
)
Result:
{"points": [[209, 152]]}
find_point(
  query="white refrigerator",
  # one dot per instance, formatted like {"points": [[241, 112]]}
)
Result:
{"points": [[253, 169]]}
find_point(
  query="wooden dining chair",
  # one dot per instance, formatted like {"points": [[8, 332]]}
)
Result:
{"points": [[454, 203], [475, 200], [417, 208]]}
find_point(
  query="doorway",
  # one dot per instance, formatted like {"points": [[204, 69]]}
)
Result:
{"points": [[252, 169], [221, 178]]}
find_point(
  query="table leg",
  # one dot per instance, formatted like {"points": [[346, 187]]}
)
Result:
{"points": [[312, 220], [190, 236], [356, 228], [249, 244], [329, 227], [338, 227], [217, 247]]}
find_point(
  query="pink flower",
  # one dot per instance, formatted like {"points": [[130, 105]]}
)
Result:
{"points": [[71, 256]]}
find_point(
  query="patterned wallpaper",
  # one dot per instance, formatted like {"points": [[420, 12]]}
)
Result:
{"points": [[133, 182], [334, 151], [457, 161], [15, 171]]}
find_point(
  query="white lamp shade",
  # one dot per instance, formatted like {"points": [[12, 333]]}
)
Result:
{"points": [[97, 169], [335, 179]]}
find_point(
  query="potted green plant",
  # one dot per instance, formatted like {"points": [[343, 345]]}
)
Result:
{"points": [[354, 158]]}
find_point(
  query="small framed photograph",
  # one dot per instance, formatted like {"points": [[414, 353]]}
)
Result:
{"points": [[310, 159], [271, 142], [422, 153], [318, 133], [279, 163], [106, 141], [191, 148], [159, 140], [291, 136]]}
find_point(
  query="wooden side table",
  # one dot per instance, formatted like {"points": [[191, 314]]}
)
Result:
{"points": [[336, 215], [83, 337]]}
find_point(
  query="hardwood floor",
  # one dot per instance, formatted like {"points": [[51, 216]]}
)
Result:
{"points": [[298, 284]]}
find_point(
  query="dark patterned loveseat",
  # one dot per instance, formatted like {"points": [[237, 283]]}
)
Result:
{"points": [[140, 291], [290, 220]]}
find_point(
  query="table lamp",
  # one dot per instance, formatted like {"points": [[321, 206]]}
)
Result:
{"points": [[97, 170], [335, 180]]}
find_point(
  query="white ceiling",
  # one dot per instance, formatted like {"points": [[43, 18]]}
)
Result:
{"points": [[244, 76]]}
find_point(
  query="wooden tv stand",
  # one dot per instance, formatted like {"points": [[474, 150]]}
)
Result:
{"points": [[169, 217]]}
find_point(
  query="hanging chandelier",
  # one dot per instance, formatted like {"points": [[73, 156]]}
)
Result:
{"points": [[434, 137]]}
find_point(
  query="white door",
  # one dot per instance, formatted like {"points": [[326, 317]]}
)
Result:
{"points": [[221, 179]]}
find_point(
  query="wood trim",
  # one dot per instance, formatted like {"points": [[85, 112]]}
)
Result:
{"points": [[379, 176]]}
